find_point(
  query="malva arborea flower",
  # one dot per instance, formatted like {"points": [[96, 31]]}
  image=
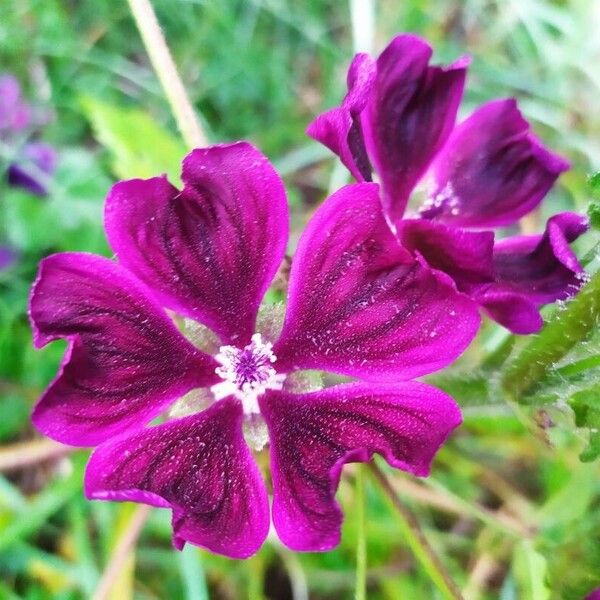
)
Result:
{"points": [[34, 161], [358, 305], [486, 172]]}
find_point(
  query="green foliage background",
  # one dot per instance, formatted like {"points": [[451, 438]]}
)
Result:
{"points": [[513, 505]]}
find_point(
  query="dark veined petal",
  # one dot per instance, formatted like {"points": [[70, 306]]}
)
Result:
{"points": [[126, 361], [533, 270], [314, 435], [200, 467], [410, 114], [466, 256], [210, 251], [340, 128], [543, 267], [492, 171], [361, 305]]}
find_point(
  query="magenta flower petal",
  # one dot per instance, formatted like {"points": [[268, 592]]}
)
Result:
{"points": [[466, 256], [410, 114], [359, 304], [126, 361], [200, 467], [314, 435], [534, 270], [492, 171], [340, 128], [210, 251], [512, 310], [543, 267]]}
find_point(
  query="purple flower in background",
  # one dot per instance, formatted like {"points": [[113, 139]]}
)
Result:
{"points": [[486, 172], [7, 257], [358, 305], [593, 595], [15, 114], [34, 162]]}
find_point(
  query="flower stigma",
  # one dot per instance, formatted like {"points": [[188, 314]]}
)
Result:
{"points": [[247, 373]]}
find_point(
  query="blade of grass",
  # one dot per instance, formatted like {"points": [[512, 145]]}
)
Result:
{"points": [[121, 553], [192, 574], [415, 538], [29, 521], [166, 71], [361, 542]]}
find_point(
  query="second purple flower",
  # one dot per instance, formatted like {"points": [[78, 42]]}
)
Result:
{"points": [[488, 171]]}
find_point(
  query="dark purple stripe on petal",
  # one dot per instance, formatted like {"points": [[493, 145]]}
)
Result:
{"points": [[314, 435], [410, 114], [492, 171], [200, 467], [126, 361], [361, 305], [211, 251], [340, 128]]}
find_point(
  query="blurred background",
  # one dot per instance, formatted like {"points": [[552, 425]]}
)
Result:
{"points": [[511, 509]]}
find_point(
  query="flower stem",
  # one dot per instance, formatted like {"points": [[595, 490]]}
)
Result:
{"points": [[566, 329], [23, 454], [417, 541], [166, 71], [362, 17], [118, 559], [361, 544]]}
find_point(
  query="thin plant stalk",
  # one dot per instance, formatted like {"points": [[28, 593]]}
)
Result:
{"points": [[118, 559], [23, 454], [415, 538], [361, 543], [166, 71]]}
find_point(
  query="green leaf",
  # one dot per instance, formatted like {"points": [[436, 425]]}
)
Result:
{"points": [[529, 568], [139, 146], [468, 389], [594, 206], [586, 406]]}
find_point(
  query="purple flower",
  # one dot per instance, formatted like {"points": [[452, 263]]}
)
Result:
{"points": [[34, 162], [488, 171], [593, 595], [358, 305], [15, 114], [7, 257]]}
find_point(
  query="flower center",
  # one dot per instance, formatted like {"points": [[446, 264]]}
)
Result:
{"points": [[247, 373]]}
